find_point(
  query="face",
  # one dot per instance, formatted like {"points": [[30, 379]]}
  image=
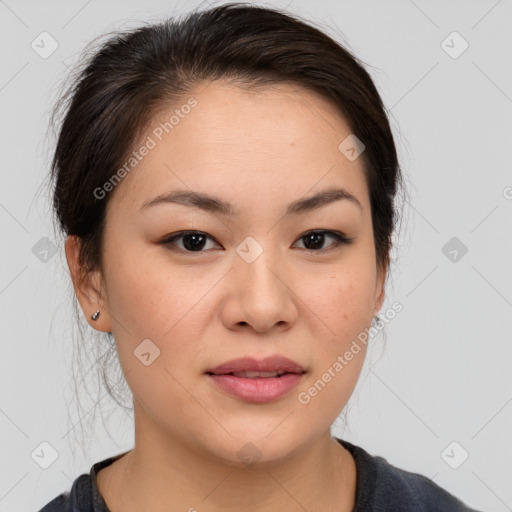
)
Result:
{"points": [[248, 280]]}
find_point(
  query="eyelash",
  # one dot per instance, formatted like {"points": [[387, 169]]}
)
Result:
{"points": [[340, 239]]}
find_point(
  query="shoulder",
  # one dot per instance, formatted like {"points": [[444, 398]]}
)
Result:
{"points": [[415, 489], [78, 499], [59, 504], [84, 495], [384, 487]]}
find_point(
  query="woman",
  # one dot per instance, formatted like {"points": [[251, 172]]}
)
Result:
{"points": [[226, 184]]}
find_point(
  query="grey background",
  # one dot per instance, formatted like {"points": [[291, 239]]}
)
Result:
{"points": [[444, 372]]}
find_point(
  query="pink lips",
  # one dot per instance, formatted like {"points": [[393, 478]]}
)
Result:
{"points": [[269, 364], [257, 389]]}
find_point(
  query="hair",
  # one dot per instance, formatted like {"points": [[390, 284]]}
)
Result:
{"points": [[136, 73]]}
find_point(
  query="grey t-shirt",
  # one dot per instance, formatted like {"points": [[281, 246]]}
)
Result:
{"points": [[381, 487]]}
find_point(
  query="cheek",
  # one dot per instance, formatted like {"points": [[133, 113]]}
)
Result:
{"points": [[150, 300], [146, 294], [155, 324], [339, 356], [342, 299], [343, 302]]}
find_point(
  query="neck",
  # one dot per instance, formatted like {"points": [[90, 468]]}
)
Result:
{"points": [[319, 477]]}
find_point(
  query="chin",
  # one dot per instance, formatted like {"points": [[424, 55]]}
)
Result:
{"points": [[256, 450]]}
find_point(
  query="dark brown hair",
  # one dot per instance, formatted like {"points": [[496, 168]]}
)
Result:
{"points": [[136, 73]]}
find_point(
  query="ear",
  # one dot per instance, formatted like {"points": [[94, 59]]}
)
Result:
{"points": [[88, 287]]}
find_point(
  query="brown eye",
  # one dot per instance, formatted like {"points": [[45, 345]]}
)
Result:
{"points": [[196, 241], [191, 241], [314, 240]]}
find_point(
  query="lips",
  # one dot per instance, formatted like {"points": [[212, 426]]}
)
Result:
{"points": [[257, 381], [250, 367]]}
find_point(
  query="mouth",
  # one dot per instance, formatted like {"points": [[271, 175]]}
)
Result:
{"points": [[257, 381], [250, 367], [254, 374]]}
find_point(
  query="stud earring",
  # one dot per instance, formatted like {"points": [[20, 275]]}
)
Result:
{"points": [[95, 316]]}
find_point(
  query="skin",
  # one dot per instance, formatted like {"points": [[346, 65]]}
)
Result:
{"points": [[260, 151]]}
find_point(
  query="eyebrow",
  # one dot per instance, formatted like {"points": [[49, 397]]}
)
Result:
{"points": [[214, 205]]}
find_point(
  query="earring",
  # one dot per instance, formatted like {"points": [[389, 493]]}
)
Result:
{"points": [[95, 316]]}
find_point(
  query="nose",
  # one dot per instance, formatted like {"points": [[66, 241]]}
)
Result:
{"points": [[260, 295]]}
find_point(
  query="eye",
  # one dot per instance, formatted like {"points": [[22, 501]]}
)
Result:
{"points": [[192, 241], [316, 238], [195, 241]]}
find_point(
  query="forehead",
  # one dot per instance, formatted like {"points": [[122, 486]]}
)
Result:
{"points": [[245, 144]]}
